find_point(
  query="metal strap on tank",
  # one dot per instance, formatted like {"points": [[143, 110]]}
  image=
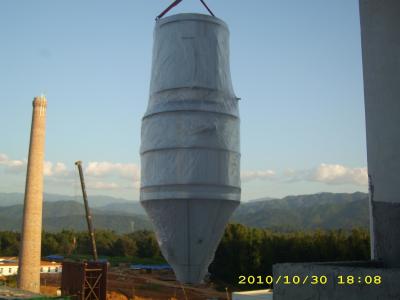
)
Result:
{"points": [[188, 110], [233, 187], [175, 3], [190, 148]]}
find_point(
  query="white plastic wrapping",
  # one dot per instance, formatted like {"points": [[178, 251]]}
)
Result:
{"points": [[190, 154]]}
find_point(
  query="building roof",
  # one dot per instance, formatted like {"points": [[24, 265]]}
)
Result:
{"points": [[2, 258], [54, 257], [43, 263], [150, 267], [256, 292]]}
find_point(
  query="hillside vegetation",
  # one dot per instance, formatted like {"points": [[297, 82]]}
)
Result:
{"points": [[70, 215], [324, 210], [304, 212]]}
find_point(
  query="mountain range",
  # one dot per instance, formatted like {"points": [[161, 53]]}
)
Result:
{"points": [[303, 212], [323, 210], [60, 215], [7, 199]]}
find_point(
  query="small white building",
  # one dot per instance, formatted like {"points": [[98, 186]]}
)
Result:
{"points": [[253, 295], [9, 266]]}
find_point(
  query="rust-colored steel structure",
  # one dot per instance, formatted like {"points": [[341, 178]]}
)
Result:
{"points": [[84, 280]]}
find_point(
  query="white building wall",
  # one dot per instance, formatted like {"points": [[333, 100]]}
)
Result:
{"points": [[7, 270]]}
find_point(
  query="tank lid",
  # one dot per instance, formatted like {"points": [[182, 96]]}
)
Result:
{"points": [[190, 17]]}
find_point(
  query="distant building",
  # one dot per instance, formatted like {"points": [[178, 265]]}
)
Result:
{"points": [[9, 266]]}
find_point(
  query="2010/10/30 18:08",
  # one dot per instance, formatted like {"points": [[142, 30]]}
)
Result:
{"points": [[310, 279]]}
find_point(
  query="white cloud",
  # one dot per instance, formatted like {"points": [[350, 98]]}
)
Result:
{"points": [[253, 175], [104, 169], [3, 158], [334, 174], [59, 173], [12, 166], [100, 185], [339, 174], [19, 166], [57, 169], [47, 168], [104, 175], [60, 168], [330, 174], [107, 170]]}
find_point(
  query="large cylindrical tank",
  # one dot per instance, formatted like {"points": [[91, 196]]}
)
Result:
{"points": [[380, 36], [190, 153]]}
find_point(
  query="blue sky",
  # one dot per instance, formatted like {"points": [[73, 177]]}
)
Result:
{"points": [[295, 64]]}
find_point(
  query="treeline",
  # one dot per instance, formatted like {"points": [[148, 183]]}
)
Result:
{"points": [[139, 243], [250, 251], [242, 251]]}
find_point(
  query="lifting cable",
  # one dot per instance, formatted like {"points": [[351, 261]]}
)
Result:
{"points": [[175, 3]]}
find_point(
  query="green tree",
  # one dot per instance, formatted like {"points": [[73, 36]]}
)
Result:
{"points": [[9, 243], [146, 242], [124, 246], [49, 243]]}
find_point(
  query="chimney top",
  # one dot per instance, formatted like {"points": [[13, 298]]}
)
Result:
{"points": [[40, 101]]}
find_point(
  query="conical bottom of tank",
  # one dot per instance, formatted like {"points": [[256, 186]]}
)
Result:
{"points": [[188, 232]]}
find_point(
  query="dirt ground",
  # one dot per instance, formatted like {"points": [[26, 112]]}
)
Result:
{"points": [[126, 284]]}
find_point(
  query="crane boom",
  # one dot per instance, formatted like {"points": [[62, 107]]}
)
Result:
{"points": [[87, 210]]}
